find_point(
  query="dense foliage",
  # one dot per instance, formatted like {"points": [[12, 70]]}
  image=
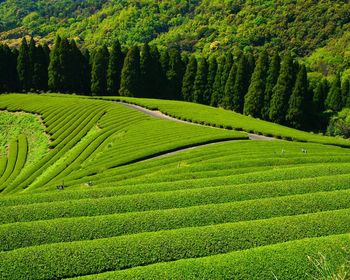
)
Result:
{"points": [[262, 87], [307, 27]]}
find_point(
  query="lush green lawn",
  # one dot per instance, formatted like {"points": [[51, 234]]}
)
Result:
{"points": [[231, 210]]}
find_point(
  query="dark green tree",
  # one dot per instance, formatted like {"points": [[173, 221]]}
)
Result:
{"points": [[271, 80], [188, 80], [86, 77], [115, 66], [226, 72], [156, 74], [254, 100], [200, 82], [8, 69], [282, 90], [55, 69], [217, 94], [40, 68], [345, 90], [174, 75], [319, 96], [212, 69], [99, 72], [130, 78], [24, 67], [241, 84], [146, 68], [298, 102], [334, 99], [227, 102]]}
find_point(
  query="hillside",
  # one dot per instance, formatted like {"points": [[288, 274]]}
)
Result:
{"points": [[122, 194], [196, 25]]}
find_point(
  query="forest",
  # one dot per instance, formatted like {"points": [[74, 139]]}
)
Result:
{"points": [[314, 31], [267, 85]]}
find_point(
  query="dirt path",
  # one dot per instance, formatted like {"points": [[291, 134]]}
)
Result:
{"points": [[160, 115]]}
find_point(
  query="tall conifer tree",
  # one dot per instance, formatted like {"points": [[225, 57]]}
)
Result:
{"points": [[345, 90], [241, 84], [334, 99], [146, 66], [298, 105], [188, 80], [217, 94], [212, 69], [271, 80], [227, 102], [254, 100], [130, 78], [24, 66], [200, 82], [99, 72], [115, 66], [282, 90], [174, 75], [55, 70]]}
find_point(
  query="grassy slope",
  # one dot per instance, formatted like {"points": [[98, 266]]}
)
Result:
{"points": [[227, 119], [239, 209], [90, 136]]}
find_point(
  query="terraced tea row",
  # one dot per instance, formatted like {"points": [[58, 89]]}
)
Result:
{"points": [[232, 210], [210, 116], [311, 258], [90, 135]]}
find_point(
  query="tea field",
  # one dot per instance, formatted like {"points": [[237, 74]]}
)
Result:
{"points": [[112, 193]]}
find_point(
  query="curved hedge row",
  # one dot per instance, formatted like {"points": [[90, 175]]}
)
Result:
{"points": [[158, 200], [90, 257], [19, 235], [290, 260], [11, 163]]}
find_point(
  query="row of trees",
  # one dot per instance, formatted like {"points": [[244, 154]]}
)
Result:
{"points": [[265, 87]]}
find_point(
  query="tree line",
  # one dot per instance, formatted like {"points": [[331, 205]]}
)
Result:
{"points": [[265, 86]]}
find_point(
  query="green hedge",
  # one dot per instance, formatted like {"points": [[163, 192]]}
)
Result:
{"points": [[19, 235], [162, 200], [11, 163], [88, 257], [291, 260]]}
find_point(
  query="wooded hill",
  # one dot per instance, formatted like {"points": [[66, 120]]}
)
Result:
{"points": [[314, 29]]}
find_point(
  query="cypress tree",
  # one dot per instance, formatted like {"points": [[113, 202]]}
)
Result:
{"points": [[33, 59], [115, 65], [8, 69], [156, 74], [297, 111], [282, 91], [130, 78], [146, 64], [225, 73], [254, 100], [55, 70], [200, 82], [241, 84], [334, 99], [229, 88], [174, 75], [86, 75], [99, 72], [212, 69], [217, 94], [319, 97], [189, 78], [40, 75], [345, 90], [271, 80], [23, 66]]}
